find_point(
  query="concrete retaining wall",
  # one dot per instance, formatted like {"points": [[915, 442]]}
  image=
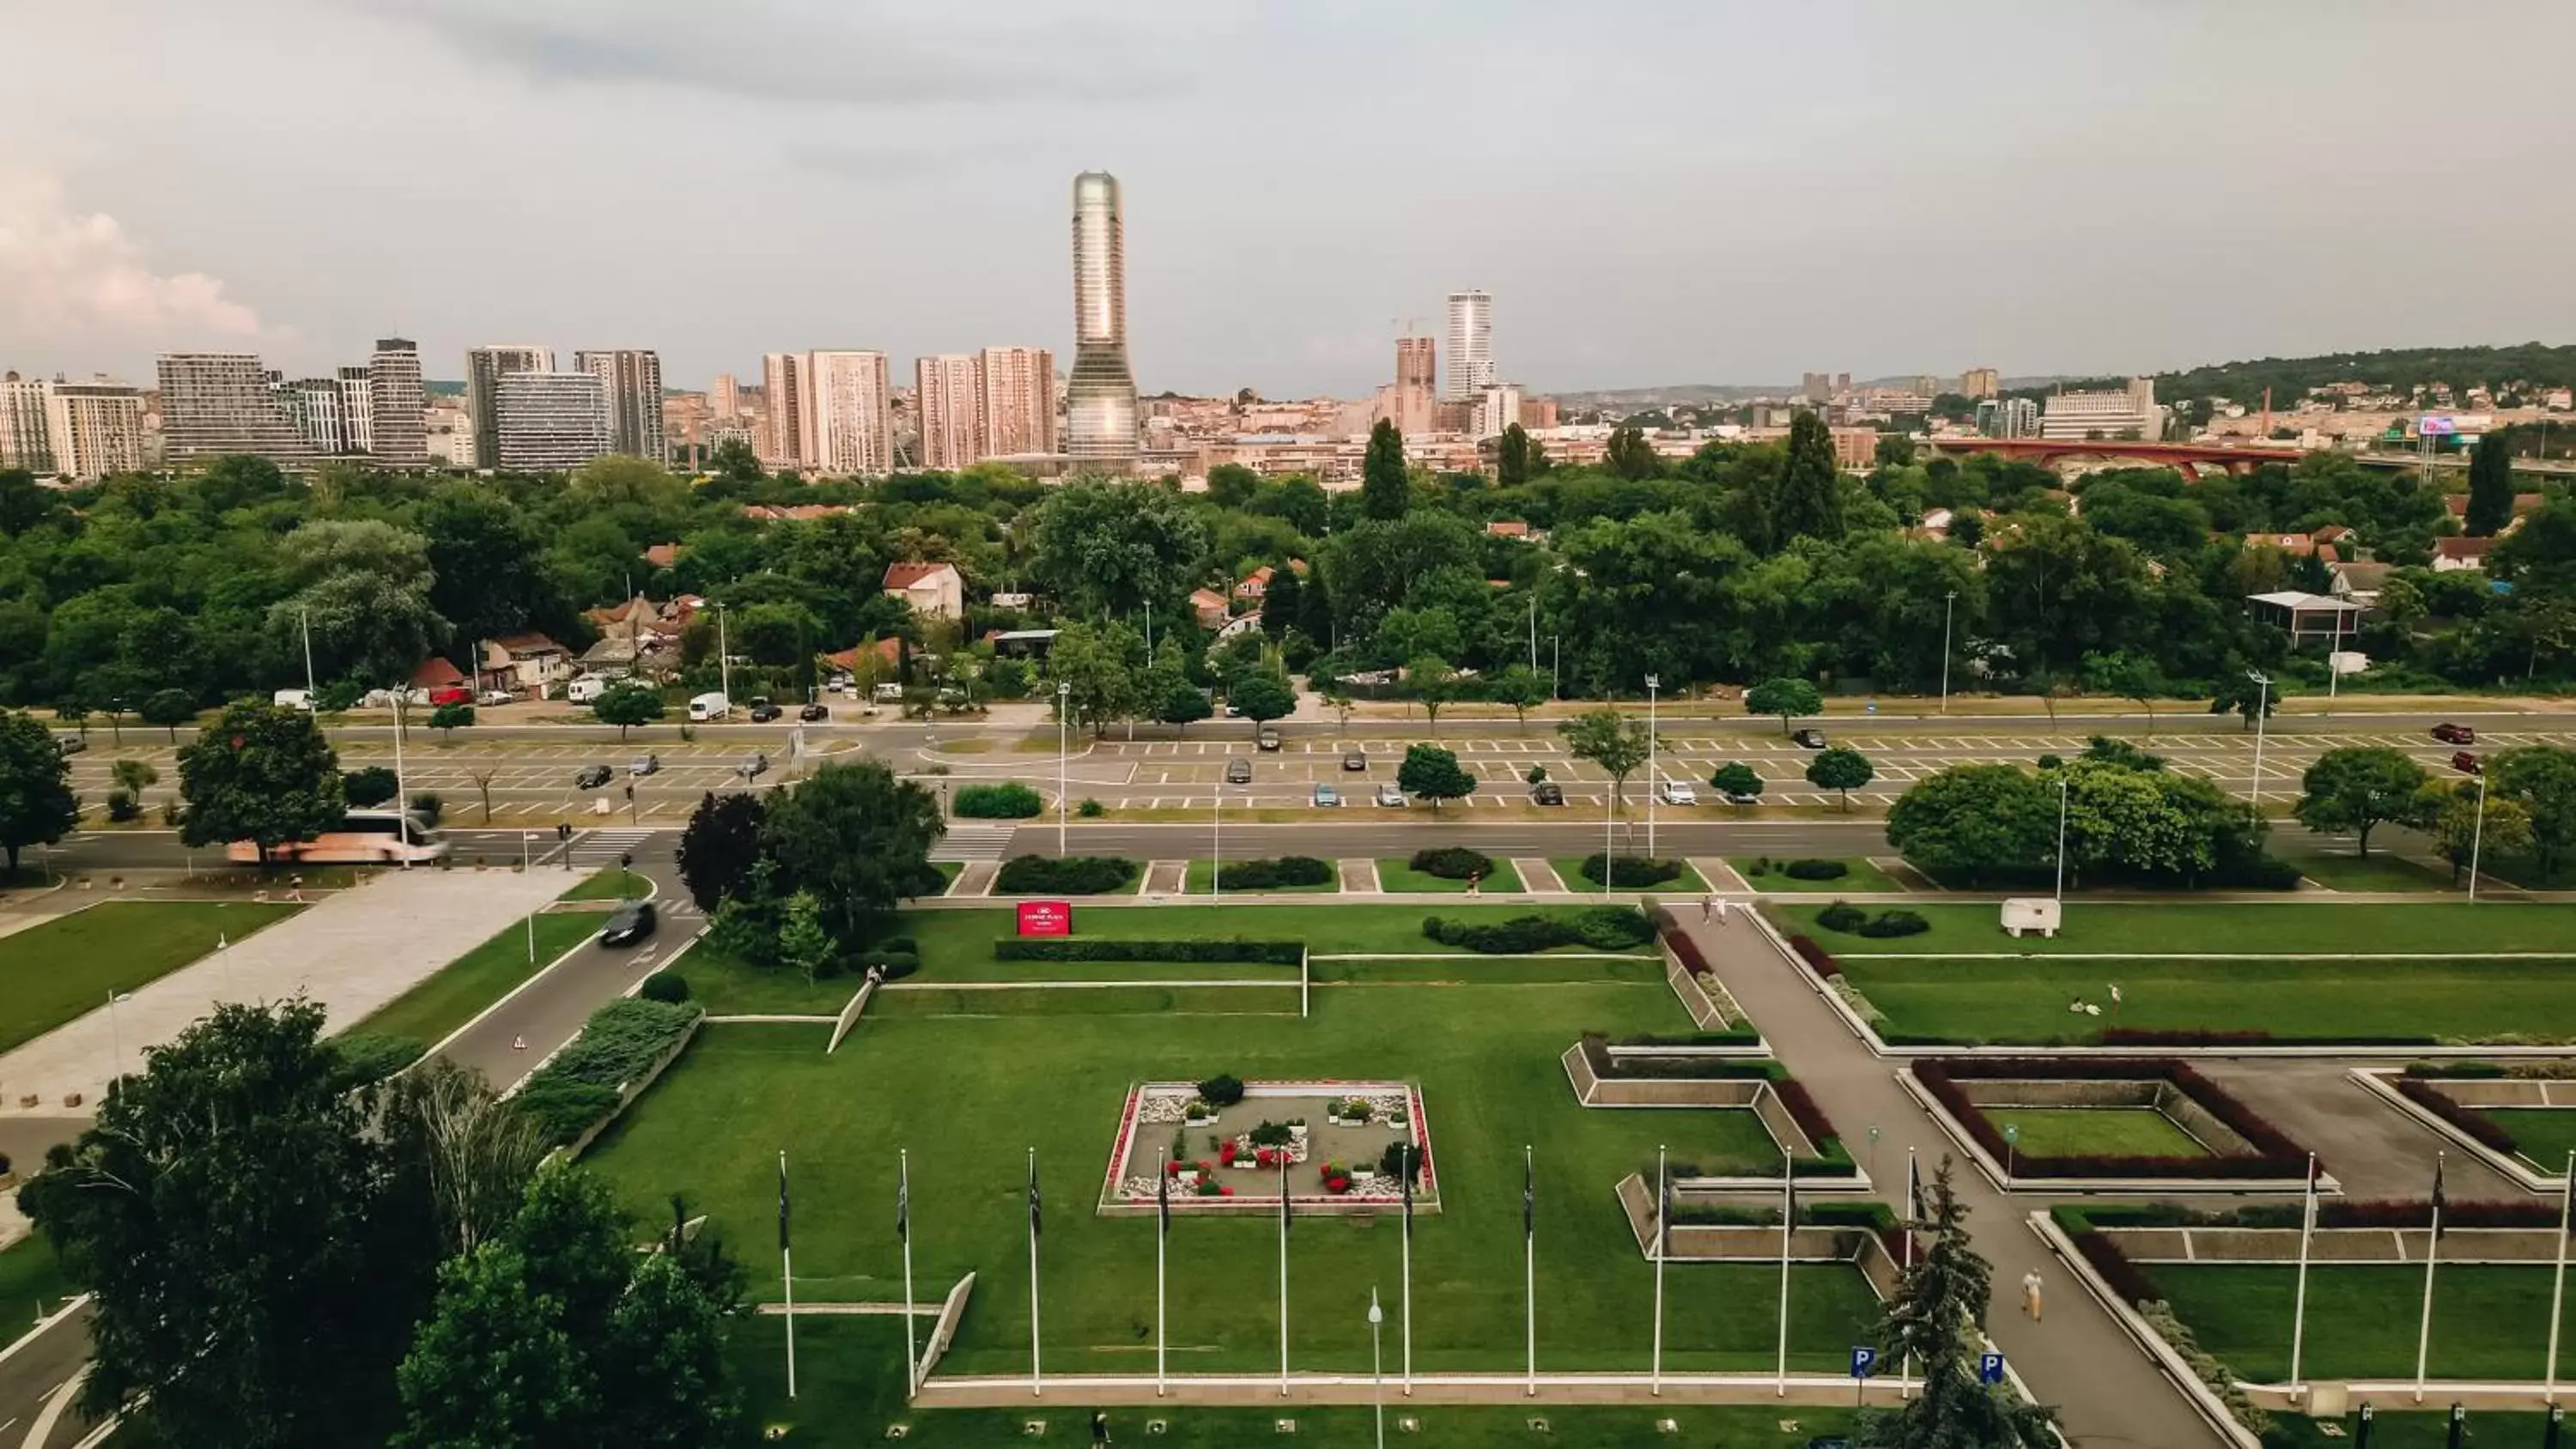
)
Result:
{"points": [[1593, 1090], [1784, 1128], [849, 1016], [2150, 1246]]}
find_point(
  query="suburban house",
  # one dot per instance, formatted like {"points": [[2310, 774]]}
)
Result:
{"points": [[2523, 504], [934, 590], [884, 658], [663, 555], [2306, 616], [1210, 607], [522, 662], [1255, 584], [2453, 554], [435, 674], [2360, 583]]}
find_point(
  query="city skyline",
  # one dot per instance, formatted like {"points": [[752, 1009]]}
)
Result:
{"points": [[1881, 189]]}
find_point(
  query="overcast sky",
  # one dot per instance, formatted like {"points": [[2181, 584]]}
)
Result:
{"points": [[1690, 191]]}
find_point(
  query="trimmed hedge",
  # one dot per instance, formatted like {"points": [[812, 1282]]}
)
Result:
{"points": [[889, 965], [1009, 800], [1067, 948], [372, 1056], [1815, 869], [665, 986], [1632, 870], [2131, 1036], [1452, 862], [1068, 875], [2275, 1155], [2085, 1224], [2478, 1125], [620, 1041], [1684, 948], [1262, 875], [1851, 919], [1818, 959], [1603, 928]]}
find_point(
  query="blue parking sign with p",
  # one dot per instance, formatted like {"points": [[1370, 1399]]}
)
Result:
{"points": [[1990, 1368], [1864, 1360]]}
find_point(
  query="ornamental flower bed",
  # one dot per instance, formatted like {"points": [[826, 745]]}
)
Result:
{"points": [[1329, 1143]]}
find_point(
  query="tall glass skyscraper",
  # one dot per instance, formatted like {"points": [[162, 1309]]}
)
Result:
{"points": [[1100, 398]]}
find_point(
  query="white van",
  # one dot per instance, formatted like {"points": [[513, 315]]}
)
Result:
{"points": [[585, 689], [709, 706], [292, 699]]}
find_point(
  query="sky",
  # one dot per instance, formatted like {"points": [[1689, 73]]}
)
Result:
{"points": [[1655, 193]]}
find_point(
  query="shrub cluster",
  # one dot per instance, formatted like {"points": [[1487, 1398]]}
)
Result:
{"points": [[1683, 947], [372, 1056], [890, 965], [1818, 959], [1066, 948], [1604, 928], [1222, 1090], [1453, 862], [1262, 875], [1068, 875], [1849, 918], [665, 986], [1631, 870], [1812, 869], [2274, 1154], [581, 1085], [1009, 800]]}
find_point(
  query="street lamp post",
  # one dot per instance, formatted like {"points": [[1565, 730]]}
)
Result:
{"points": [[116, 1031], [1377, 1363], [2262, 710], [311, 690], [724, 661], [1949, 608], [1216, 866], [1063, 708], [532, 916], [1654, 775], [2061, 842], [2477, 834]]}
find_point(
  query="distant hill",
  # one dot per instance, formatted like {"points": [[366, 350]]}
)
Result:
{"points": [[2397, 368]]}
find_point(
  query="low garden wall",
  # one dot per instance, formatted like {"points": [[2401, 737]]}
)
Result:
{"points": [[943, 1329], [2252, 1153], [2454, 1102], [1871, 1242], [850, 1013], [1653, 1073]]}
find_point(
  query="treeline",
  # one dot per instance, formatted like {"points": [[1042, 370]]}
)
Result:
{"points": [[2400, 368]]}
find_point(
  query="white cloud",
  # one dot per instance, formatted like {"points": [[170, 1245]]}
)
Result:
{"points": [[68, 275]]}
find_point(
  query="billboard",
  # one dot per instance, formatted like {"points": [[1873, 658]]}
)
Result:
{"points": [[2429, 426], [1046, 918]]}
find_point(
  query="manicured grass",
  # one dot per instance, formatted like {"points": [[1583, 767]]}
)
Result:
{"points": [[473, 981], [1027, 971], [2025, 1000], [1265, 1000], [2095, 1132], [2544, 1135], [967, 1096], [2378, 873], [1397, 875], [849, 1387], [2489, 1321], [728, 986], [30, 1276], [2417, 1429], [1488, 970], [1719, 1142], [1863, 878], [2232, 928], [949, 870], [1196, 880], [613, 884], [1569, 869], [54, 972]]}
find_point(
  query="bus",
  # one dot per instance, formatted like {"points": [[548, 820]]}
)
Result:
{"points": [[364, 837]]}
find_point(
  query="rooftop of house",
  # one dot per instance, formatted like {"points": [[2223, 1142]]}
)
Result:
{"points": [[905, 575]]}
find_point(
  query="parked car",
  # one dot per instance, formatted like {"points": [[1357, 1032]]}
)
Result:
{"points": [[590, 777], [1390, 797], [1355, 760], [813, 713], [71, 744], [1267, 740], [628, 924], [1547, 792], [644, 765], [1327, 795], [1238, 771], [762, 711], [2455, 734], [705, 707], [450, 694], [498, 696], [292, 699], [1679, 792], [1809, 739], [1738, 797], [2467, 764], [839, 683], [754, 763]]}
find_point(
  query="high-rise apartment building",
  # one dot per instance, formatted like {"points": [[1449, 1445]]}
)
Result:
{"points": [[2129, 412], [24, 442], [724, 399], [949, 405], [1979, 383], [396, 404], [782, 386], [1100, 400], [357, 410], [94, 428], [1471, 345], [632, 378], [1815, 387], [214, 403], [484, 369], [2008, 417], [1417, 376], [846, 413], [1498, 407], [549, 422], [312, 407], [1015, 410]]}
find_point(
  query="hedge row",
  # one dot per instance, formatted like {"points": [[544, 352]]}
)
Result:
{"points": [[619, 1043], [1631, 870], [1453, 862], [1262, 875], [2131, 1036], [1067, 875], [2331, 1213], [1846, 917], [1818, 959], [1603, 928], [1066, 948], [2274, 1155], [1009, 800], [1685, 950], [2478, 1125]]}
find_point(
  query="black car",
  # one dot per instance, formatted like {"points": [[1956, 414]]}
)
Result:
{"points": [[814, 712], [752, 764], [762, 711], [1355, 760], [628, 924], [1547, 793], [1238, 771], [591, 777]]}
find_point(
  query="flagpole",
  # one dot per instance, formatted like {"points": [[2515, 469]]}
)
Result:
{"points": [[911, 1356], [1162, 1234], [1788, 1217], [787, 1272], [1913, 1214], [1283, 1273], [2558, 1284], [2432, 1255], [1663, 1247], [2299, 1311], [1529, 1266], [1412, 1168], [1037, 1383]]}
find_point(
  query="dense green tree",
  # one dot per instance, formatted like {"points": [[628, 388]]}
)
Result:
{"points": [[1283, 602], [369, 786], [1519, 686], [2542, 779], [1431, 681], [627, 704], [168, 708], [1611, 740], [1169, 696], [1104, 666], [1932, 1323], [1980, 822], [859, 838], [364, 587], [733, 458], [2233, 693], [720, 846], [1736, 778], [2460, 836], [2359, 787], [1111, 550], [1806, 498], [1386, 489], [1512, 457], [1841, 771], [37, 806], [486, 561], [1628, 455], [1786, 698], [447, 719], [1262, 697], [2129, 676], [258, 773], [2490, 485], [1434, 774]]}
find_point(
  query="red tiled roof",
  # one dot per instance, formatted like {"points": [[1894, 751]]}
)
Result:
{"points": [[2462, 547], [436, 673], [527, 644], [662, 555], [905, 575]]}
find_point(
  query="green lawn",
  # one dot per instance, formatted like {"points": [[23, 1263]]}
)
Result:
{"points": [[2544, 1135], [1398, 875], [1489, 970], [613, 884], [473, 981], [849, 1387], [726, 986], [1280, 1000], [2025, 1000], [1569, 869], [2526, 872], [967, 1096], [54, 972], [2095, 1132], [1718, 1142], [2378, 873], [29, 1277], [2489, 1322], [1196, 881], [1863, 879], [2243, 929], [2418, 1429]]}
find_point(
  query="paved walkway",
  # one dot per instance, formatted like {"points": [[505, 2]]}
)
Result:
{"points": [[353, 952], [2080, 1363]]}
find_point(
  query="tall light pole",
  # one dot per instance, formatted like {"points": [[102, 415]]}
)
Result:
{"points": [[402, 796], [724, 662], [2061, 842], [116, 1031], [1063, 708], [532, 916], [1654, 775], [1216, 866], [1377, 1363], [311, 690], [1949, 608], [2477, 834], [2262, 710]]}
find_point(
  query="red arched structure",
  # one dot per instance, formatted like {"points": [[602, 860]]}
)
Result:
{"points": [[2185, 458]]}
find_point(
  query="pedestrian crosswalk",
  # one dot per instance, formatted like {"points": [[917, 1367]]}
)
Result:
{"points": [[606, 847], [974, 842]]}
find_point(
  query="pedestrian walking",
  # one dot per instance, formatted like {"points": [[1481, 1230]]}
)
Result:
{"points": [[1475, 883], [1721, 911], [1099, 1427], [2030, 1294], [2115, 998], [1707, 907]]}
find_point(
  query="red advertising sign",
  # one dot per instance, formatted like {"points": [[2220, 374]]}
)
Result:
{"points": [[1046, 918]]}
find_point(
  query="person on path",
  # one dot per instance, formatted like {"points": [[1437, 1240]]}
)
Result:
{"points": [[1721, 911], [1475, 883], [1099, 1427], [1707, 907], [2115, 998], [2030, 1294]]}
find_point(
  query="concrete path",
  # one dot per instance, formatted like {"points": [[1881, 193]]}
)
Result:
{"points": [[1538, 876], [1360, 878], [353, 952], [2376, 1153], [2081, 1363]]}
